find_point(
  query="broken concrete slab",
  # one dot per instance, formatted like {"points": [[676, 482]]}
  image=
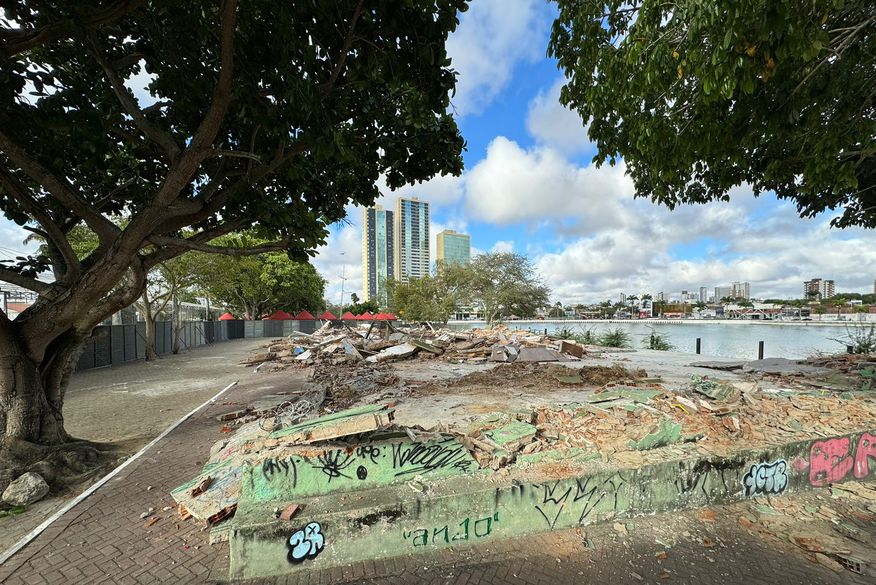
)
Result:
{"points": [[668, 433], [397, 351], [426, 346], [351, 350], [538, 354], [783, 367], [339, 424], [716, 365], [619, 392], [512, 436], [571, 348]]}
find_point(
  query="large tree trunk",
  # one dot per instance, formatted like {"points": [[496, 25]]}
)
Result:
{"points": [[150, 337], [176, 324], [32, 386]]}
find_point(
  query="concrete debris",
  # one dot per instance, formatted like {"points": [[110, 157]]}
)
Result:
{"points": [[26, 489], [383, 341]]}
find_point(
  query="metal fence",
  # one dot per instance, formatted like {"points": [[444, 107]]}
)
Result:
{"points": [[116, 344]]}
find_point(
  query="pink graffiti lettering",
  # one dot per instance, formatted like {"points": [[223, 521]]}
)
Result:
{"points": [[866, 449], [829, 461]]}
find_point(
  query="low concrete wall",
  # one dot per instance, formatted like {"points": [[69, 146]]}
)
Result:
{"points": [[421, 513]]}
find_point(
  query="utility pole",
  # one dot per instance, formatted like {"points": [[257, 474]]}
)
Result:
{"points": [[343, 281]]}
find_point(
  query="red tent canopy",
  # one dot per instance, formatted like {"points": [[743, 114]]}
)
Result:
{"points": [[305, 315], [348, 316], [381, 317], [279, 315], [328, 315], [390, 317], [227, 317], [367, 316]]}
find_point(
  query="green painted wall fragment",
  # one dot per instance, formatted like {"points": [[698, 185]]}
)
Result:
{"points": [[668, 433]]}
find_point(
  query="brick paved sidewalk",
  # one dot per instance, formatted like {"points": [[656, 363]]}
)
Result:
{"points": [[103, 539]]}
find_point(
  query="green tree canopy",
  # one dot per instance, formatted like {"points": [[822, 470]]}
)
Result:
{"points": [[500, 284], [428, 298], [700, 96], [264, 115], [254, 286]]}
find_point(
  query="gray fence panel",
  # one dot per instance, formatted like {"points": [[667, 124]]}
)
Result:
{"points": [[129, 334], [140, 337], [249, 329], [258, 328], [308, 326], [117, 339], [103, 351]]}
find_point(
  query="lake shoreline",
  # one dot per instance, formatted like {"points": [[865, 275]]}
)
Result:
{"points": [[733, 322]]}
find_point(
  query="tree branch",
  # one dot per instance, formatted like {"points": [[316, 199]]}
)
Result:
{"points": [[18, 40], [104, 228], [13, 277], [190, 244], [130, 105], [348, 42], [52, 232]]}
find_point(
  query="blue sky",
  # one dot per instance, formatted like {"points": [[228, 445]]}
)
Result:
{"points": [[528, 186]]}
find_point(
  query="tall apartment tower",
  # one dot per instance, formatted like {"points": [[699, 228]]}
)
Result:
{"points": [[378, 253], [411, 238], [453, 248], [741, 290], [818, 289], [704, 294]]}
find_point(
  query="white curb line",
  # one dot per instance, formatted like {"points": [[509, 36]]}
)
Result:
{"points": [[69, 506]]}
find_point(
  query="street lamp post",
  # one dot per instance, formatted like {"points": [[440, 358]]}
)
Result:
{"points": [[343, 281]]}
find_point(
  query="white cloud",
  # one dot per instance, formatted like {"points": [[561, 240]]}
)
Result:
{"points": [[340, 259], [440, 190], [492, 38], [514, 185], [552, 124], [503, 246]]}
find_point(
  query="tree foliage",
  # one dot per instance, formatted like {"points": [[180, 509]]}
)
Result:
{"points": [[428, 298], [254, 286], [263, 115], [500, 284], [700, 96]]}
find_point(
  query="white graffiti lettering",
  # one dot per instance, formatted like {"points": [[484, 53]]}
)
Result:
{"points": [[766, 478], [306, 543]]}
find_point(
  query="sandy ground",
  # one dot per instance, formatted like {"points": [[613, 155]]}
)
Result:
{"points": [[130, 404], [459, 405]]}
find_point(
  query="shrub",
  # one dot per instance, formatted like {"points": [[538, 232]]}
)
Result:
{"points": [[615, 338], [658, 342]]}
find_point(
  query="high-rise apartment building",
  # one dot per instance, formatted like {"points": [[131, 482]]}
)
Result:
{"points": [[411, 238], [741, 290], [818, 289], [723, 292], [704, 294], [378, 253], [453, 248]]}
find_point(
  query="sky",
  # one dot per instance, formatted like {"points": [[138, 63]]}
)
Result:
{"points": [[529, 187]]}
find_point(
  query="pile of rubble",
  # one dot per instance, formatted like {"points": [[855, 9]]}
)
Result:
{"points": [[382, 341]]}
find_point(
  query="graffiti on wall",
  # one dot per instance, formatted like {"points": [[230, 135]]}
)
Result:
{"points": [[582, 496], [461, 532], [766, 478], [831, 460], [306, 543], [364, 466]]}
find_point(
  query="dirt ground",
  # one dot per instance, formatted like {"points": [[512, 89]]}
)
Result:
{"points": [[130, 404]]}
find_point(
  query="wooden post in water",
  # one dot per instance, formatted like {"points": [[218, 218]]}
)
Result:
{"points": [[698, 344], [760, 350]]}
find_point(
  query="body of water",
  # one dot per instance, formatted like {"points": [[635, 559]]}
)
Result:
{"points": [[719, 338]]}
